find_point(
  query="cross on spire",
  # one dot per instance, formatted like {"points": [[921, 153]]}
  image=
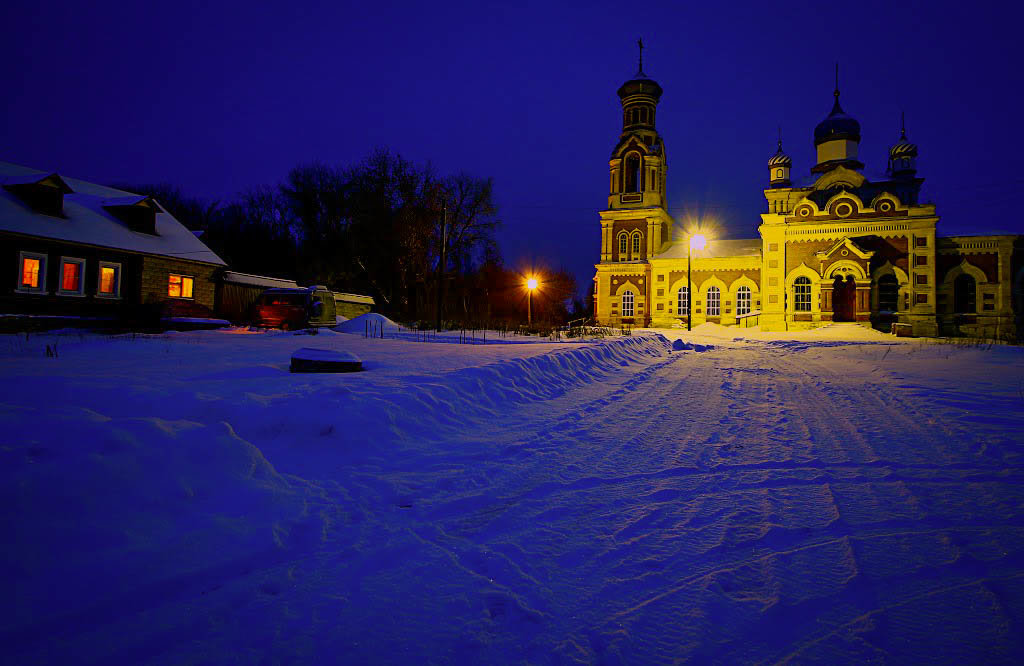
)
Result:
{"points": [[903, 127], [780, 137], [837, 82], [640, 69]]}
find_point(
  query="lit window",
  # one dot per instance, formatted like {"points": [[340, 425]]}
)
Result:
{"points": [[623, 245], [72, 272], [743, 300], [802, 295], [683, 301], [714, 302], [32, 272], [627, 303], [636, 244], [179, 286], [778, 174], [109, 284]]}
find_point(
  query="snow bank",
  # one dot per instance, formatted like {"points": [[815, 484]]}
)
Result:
{"points": [[371, 319]]}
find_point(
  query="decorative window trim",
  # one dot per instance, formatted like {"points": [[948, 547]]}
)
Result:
{"points": [[635, 243], [116, 295], [714, 298], [802, 294], [192, 286], [627, 303], [75, 293], [744, 300], [21, 288], [623, 244]]}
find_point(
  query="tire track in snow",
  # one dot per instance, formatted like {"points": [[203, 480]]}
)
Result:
{"points": [[715, 446]]}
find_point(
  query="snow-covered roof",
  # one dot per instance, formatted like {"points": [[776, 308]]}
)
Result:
{"points": [[86, 221], [258, 280], [741, 247], [353, 298]]}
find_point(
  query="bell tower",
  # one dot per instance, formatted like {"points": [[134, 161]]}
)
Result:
{"points": [[636, 223]]}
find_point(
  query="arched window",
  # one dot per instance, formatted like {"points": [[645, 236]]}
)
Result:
{"points": [[802, 295], [743, 300], [964, 291], [888, 293], [627, 303], [683, 301], [636, 245], [714, 302], [623, 245], [778, 174], [632, 173]]}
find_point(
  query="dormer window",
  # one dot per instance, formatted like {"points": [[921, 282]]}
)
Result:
{"points": [[43, 194], [138, 213]]}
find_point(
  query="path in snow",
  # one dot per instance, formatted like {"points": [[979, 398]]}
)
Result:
{"points": [[761, 501]]}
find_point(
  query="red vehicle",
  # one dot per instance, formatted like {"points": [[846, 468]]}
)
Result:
{"points": [[291, 309]]}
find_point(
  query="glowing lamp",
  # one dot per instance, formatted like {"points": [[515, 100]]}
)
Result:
{"points": [[531, 284], [697, 242]]}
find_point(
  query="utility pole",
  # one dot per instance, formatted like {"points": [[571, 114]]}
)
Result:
{"points": [[441, 263]]}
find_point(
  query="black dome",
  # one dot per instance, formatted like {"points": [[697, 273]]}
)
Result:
{"points": [[838, 125], [640, 86]]}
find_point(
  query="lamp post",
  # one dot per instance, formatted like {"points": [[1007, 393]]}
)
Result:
{"points": [[697, 242], [531, 284]]}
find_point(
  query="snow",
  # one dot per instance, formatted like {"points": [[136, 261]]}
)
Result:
{"points": [[833, 495], [86, 221]]}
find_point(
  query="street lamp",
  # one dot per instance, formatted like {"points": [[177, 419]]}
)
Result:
{"points": [[531, 284], [697, 242]]}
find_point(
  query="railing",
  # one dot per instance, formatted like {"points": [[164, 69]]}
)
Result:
{"points": [[748, 320]]}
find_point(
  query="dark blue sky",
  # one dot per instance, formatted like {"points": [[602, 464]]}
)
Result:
{"points": [[217, 97]]}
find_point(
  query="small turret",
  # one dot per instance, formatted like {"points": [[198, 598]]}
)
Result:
{"points": [[903, 155], [778, 167]]}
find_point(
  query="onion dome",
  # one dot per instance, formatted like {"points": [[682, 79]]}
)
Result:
{"points": [[780, 158], [640, 84], [838, 125], [902, 148]]}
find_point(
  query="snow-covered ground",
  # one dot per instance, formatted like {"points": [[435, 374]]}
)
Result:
{"points": [[836, 495]]}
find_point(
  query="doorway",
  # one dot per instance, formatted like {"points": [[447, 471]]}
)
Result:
{"points": [[844, 299]]}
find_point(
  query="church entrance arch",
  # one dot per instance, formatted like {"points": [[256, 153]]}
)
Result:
{"points": [[844, 298]]}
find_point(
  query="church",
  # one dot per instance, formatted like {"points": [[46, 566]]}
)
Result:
{"points": [[836, 247]]}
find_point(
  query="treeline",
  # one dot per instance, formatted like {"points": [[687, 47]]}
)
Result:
{"points": [[377, 228]]}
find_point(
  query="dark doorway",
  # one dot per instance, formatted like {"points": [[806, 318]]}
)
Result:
{"points": [[964, 295], [844, 299]]}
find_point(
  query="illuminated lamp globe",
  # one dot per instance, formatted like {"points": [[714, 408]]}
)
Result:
{"points": [[698, 242], [531, 284]]}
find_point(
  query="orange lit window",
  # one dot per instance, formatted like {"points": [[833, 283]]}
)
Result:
{"points": [[179, 286], [70, 276], [108, 285], [30, 272]]}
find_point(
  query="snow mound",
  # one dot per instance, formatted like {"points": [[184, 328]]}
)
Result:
{"points": [[371, 319], [680, 345]]}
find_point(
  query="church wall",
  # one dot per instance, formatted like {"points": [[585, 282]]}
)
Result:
{"points": [[629, 226]]}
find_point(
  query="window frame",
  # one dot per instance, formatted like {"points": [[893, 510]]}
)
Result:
{"points": [[744, 293], [623, 244], [43, 260], [802, 297], [631, 302], [116, 294], [680, 301], [183, 276], [892, 289], [635, 243], [61, 291], [713, 305]]}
